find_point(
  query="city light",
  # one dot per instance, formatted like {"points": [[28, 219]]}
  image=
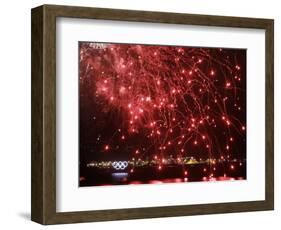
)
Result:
{"points": [[152, 109]]}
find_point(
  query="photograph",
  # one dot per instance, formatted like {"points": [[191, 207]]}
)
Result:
{"points": [[149, 114], [153, 114]]}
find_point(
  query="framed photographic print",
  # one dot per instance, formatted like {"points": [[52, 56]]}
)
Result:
{"points": [[148, 114]]}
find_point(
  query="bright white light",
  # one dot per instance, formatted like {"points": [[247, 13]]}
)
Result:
{"points": [[120, 165]]}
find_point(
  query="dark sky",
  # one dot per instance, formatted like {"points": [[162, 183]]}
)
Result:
{"points": [[144, 101]]}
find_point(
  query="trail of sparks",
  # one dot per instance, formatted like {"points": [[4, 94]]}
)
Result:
{"points": [[166, 100]]}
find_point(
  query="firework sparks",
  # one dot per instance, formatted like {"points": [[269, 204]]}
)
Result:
{"points": [[162, 101]]}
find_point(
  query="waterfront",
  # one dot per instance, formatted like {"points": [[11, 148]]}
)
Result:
{"points": [[151, 174]]}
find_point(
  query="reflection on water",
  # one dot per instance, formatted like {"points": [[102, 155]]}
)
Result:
{"points": [[172, 174], [123, 177]]}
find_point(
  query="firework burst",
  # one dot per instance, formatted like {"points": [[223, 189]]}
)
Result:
{"points": [[151, 101]]}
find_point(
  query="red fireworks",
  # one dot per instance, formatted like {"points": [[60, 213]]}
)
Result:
{"points": [[173, 100]]}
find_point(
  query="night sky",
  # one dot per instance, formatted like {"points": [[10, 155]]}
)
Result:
{"points": [[154, 101]]}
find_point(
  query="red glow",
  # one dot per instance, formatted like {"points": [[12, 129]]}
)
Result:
{"points": [[170, 100], [228, 84]]}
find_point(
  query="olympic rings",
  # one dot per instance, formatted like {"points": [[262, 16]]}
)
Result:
{"points": [[120, 165]]}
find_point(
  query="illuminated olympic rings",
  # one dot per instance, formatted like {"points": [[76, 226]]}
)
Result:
{"points": [[120, 165]]}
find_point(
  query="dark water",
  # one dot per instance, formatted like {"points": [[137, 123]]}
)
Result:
{"points": [[167, 174]]}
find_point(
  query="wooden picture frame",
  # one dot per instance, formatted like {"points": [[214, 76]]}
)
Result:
{"points": [[43, 208]]}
